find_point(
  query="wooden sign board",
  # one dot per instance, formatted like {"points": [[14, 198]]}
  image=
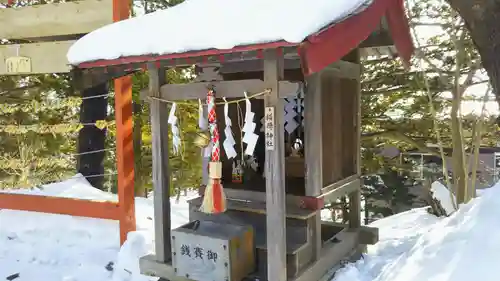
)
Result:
{"points": [[18, 65], [35, 58], [55, 19], [269, 128]]}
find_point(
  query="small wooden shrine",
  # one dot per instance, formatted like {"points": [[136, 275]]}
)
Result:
{"points": [[300, 151]]}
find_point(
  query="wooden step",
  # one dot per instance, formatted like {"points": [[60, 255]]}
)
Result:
{"points": [[298, 255], [295, 229], [294, 240], [260, 208]]}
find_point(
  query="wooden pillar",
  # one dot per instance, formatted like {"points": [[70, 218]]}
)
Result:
{"points": [[355, 197], [124, 138], [313, 141], [125, 155], [335, 105], [159, 131], [275, 172]]}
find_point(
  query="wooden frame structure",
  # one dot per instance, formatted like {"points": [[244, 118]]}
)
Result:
{"points": [[57, 27], [303, 247]]}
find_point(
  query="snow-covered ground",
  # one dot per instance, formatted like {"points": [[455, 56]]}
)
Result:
{"points": [[413, 245], [47, 247]]}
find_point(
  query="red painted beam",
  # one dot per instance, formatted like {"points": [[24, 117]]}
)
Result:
{"points": [[62, 206], [125, 155], [312, 203], [332, 44], [211, 52]]}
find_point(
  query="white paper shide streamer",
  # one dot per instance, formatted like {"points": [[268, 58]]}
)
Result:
{"points": [[290, 114], [249, 137], [203, 125], [172, 120], [229, 141]]}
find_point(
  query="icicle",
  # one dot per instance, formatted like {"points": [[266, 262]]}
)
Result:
{"points": [[250, 138], [229, 142], [172, 120]]}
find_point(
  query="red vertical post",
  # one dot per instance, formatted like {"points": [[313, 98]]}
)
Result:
{"points": [[124, 140]]}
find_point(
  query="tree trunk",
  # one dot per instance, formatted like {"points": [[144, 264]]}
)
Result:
{"points": [[140, 188], [458, 158], [482, 20], [91, 138]]}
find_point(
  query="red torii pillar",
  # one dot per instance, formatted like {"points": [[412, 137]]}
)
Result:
{"points": [[124, 140]]}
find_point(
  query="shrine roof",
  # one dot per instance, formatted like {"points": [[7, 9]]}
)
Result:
{"points": [[209, 27]]}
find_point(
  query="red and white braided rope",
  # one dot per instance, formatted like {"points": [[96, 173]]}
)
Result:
{"points": [[212, 124]]}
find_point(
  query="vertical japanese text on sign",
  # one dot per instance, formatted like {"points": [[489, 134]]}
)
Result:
{"points": [[269, 127]]}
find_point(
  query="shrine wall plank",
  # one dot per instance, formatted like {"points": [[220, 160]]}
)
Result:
{"points": [[349, 132], [313, 141], [332, 128]]}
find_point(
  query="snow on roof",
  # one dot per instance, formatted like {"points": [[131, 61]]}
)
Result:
{"points": [[196, 25]]}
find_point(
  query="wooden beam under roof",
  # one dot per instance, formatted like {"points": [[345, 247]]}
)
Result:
{"points": [[227, 89], [55, 19], [343, 69]]}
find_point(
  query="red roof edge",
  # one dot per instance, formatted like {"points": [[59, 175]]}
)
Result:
{"points": [[211, 52], [400, 30], [322, 49]]}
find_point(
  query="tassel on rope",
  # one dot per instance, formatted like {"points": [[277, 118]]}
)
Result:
{"points": [[214, 200]]}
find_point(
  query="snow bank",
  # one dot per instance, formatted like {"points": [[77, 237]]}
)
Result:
{"points": [[445, 196], [53, 247], [206, 24], [413, 246], [416, 246]]}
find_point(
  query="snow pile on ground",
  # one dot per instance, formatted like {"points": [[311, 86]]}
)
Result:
{"points": [[444, 196], [52, 247], [415, 246]]}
